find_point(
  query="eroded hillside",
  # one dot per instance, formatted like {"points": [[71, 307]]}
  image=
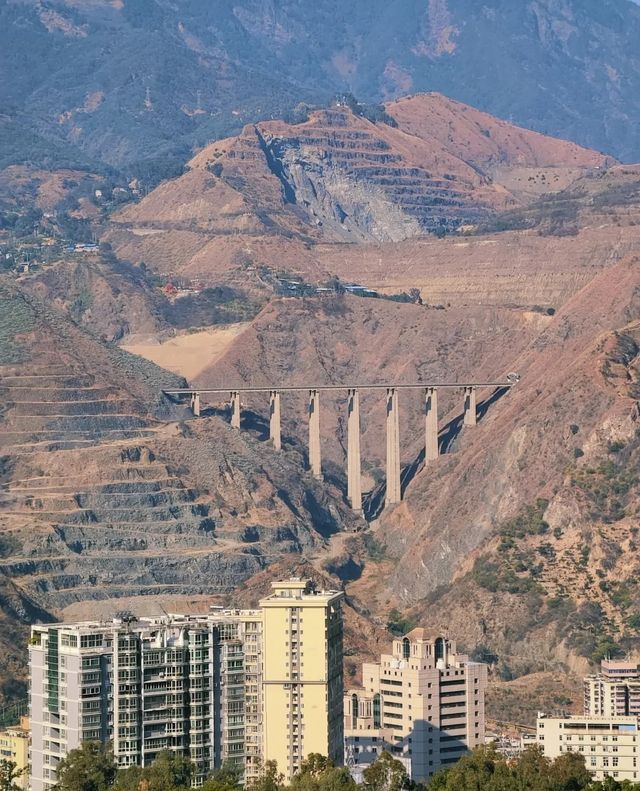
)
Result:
{"points": [[105, 490]]}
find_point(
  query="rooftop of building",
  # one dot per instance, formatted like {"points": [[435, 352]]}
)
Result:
{"points": [[149, 622], [419, 633], [299, 589], [293, 588], [593, 721]]}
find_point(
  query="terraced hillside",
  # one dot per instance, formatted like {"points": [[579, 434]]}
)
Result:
{"points": [[108, 490], [340, 178]]}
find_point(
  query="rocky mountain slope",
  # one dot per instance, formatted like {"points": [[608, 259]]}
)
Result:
{"points": [[340, 178], [106, 492], [529, 521], [146, 79]]}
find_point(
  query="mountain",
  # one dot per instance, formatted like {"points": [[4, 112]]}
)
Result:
{"points": [[277, 189], [106, 492], [522, 537], [120, 81]]}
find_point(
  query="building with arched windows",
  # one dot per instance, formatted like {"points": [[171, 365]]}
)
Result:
{"points": [[424, 703]]}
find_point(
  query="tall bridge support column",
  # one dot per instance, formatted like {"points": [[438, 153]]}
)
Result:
{"points": [[393, 447], [274, 420], [195, 404], [235, 408], [315, 463], [354, 480], [431, 424], [470, 410]]}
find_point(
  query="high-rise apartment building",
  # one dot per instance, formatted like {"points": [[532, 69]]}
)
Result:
{"points": [[302, 677], [215, 687], [424, 703], [614, 691]]}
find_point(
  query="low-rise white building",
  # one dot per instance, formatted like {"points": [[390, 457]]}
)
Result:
{"points": [[610, 745]]}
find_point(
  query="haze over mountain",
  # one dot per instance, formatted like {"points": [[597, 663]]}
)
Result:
{"points": [[118, 81]]}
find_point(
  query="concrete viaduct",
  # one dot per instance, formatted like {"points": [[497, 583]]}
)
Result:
{"points": [[354, 486]]}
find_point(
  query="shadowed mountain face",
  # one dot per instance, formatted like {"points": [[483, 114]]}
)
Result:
{"points": [[122, 80]]}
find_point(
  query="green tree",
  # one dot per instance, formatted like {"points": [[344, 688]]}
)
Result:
{"points": [[9, 774], [385, 774], [270, 779], [486, 770], [569, 773], [227, 778], [128, 779], [531, 770], [169, 772], [90, 767], [317, 773], [475, 772]]}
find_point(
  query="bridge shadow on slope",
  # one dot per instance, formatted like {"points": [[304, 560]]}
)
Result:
{"points": [[373, 503]]}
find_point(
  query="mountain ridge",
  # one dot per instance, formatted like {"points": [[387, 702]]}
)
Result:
{"points": [[158, 80]]}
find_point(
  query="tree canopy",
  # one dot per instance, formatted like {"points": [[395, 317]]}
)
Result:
{"points": [[9, 775], [92, 768]]}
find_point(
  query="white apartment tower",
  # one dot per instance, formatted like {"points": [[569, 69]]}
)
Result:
{"points": [[424, 703], [614, 691]]}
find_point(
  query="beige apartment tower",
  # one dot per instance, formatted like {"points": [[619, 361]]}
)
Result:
{"points": [[610, 745], [424, 703], [302, 686]]}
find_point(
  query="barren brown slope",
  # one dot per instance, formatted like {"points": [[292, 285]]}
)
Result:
{"points": [[109, 491], [560, 452], [568, 433], [472, 136], [338, 178]]}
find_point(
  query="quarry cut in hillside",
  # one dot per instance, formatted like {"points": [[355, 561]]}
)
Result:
{"points": [[340, 178]]}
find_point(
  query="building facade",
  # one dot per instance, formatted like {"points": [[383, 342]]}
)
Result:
{"points": [[610, 745], [209, 687], [424, 703], [614, 691], [14, 746], [302, 677]]}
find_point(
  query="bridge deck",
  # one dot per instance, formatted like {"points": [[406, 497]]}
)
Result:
{"points": [[306, 388]]}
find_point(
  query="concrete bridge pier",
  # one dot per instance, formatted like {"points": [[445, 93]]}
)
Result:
{"points": [[234, 397], [195, 404], [470, 409], [354, 480], [315, 463], [431, 424], [393, 448], [275, 434]]}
